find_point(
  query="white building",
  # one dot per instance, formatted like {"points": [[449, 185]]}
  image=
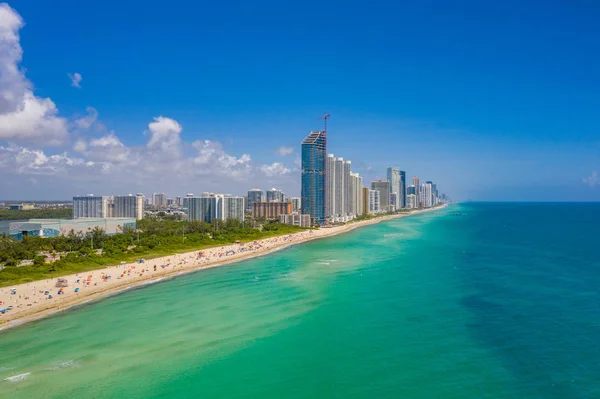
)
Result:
{"points": [[339, 206], [330, 181], [347, 204], [128, 206], [91, 206], [426, 194], [233, 208], [374, 201], [215, 206], [411, 201], [296, 219]]}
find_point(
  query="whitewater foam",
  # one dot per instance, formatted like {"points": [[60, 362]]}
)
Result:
{"points": [[18, 378]]}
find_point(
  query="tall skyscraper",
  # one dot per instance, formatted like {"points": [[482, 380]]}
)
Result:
{"points": [[314, 148], [417, 185], [402, 193], [397, 179], [347, 199], [254, 195], [339, 186], [374, 201], [365, 200], [275, 195], [383, 186], [356, 194], [330, 209], [426, 194]]}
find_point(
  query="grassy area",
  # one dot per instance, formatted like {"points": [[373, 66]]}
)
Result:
{"points": [[58, 213], [157, 238]]}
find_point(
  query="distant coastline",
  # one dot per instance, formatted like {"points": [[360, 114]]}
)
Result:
{"points": [[30, 301]]}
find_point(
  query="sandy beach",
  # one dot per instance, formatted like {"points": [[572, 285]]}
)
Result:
{"points": [[31, 301]]}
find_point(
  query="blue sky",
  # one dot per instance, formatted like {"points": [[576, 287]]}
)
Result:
{"points": [[491, 100]]}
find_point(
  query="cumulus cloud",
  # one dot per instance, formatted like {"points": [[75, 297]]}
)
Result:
{"points": [[99, 161], [23, 116], [164, 136], [76, 79], [212, 159], [275, 169], [283, 150], [592, 180]]}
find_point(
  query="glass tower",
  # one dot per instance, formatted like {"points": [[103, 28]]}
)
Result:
{"points": [[314, 148]]}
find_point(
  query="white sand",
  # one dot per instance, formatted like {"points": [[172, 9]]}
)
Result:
{"points": [[38, 299]]}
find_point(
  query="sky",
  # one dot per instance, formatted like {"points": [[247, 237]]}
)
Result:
{"points": [[493, 101]]}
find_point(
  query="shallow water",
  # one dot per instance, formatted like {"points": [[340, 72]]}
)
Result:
{"points": [[501, 302]]}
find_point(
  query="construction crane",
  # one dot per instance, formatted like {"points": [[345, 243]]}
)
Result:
{"points": [[325, 116]]}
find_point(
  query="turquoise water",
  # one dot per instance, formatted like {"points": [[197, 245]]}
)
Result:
{"points": [[501, 302]]}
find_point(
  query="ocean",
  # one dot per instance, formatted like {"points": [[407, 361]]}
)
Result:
{"points": [[478, 300]]}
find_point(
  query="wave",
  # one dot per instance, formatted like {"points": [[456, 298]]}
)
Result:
{"points": [[64, 365], [18, 378]]}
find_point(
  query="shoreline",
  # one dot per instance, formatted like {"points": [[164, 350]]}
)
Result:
{"points": [[81, 292]]}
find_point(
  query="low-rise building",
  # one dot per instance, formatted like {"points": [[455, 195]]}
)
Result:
{"points": [[295, 218], [271, 210]]}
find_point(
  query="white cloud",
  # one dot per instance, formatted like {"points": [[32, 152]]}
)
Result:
{"points": [[213, 160], [593, 180], [89, 120], [23, 116], [283, 150], [80, 146], [275, 169], [76, 79], [164, 136]]}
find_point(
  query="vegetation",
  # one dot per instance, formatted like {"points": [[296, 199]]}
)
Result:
{"points": [[58, 213], [79, 252]]}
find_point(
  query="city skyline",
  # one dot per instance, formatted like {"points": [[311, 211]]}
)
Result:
{"points": [[76, 120]]}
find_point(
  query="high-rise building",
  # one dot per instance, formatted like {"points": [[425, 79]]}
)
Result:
{"points": [[254, 195], [91, 206], [365, 200], [374, 201], [355, 197], [330, 186], [274, 195], [339, 187], [402, 193], [179, 201], [411, 201], [397, 179], [159, 200], [233, 208], [271, 210], [383, 186], [417, 185], [215, 206], [394, 202], [314, 148], [129, 206], [427, 194], [347, 203], [296, 204]]}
